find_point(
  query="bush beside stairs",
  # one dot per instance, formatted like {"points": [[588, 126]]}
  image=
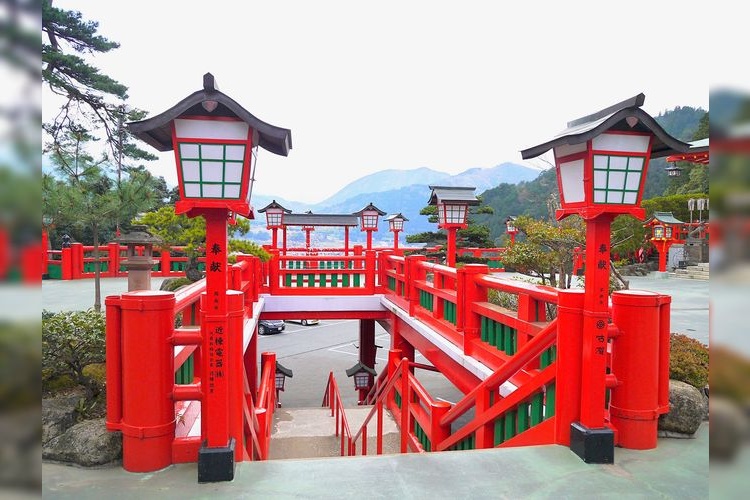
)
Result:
{"points": [[310, 433]]}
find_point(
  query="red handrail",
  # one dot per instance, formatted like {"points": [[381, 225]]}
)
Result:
{"points": [[332, 399]]}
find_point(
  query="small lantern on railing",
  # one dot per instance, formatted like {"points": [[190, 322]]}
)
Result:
{"points": [[453, 212], [368, 218], [274, 219], [274, 215], [281, 374], [363, 378], [396, 225], [665, 231]]}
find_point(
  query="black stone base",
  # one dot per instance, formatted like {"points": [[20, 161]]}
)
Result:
{"points": [[216, 464], [594, 446]]}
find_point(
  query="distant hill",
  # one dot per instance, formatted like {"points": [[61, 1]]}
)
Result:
{"points": [[392, 179], [404, 191]]}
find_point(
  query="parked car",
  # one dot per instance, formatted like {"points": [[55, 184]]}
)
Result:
{"points": [[268, 326], [304, 322]]}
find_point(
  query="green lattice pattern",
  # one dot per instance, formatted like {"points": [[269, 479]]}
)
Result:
{"points": [[617, 179], [212, 170]]}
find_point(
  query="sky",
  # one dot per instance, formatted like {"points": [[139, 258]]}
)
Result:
{"points": [[366, 87]]}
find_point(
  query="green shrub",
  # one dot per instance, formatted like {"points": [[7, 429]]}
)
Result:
{"points": [[688, 360], [70, 342]]}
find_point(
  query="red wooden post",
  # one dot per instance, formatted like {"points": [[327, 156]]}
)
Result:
{"points": [[595, 319], [370, 272], [148, 418], [569, 362], [439, 432], [215, 418], [113, 335], [634, 405], [413, 273], [450, 255], [113, 259], [66, 263], [235, 369], [77, 260], [165, 260], [467, 294]]}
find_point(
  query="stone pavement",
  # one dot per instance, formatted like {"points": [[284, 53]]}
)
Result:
{"points": [[677, 468]]}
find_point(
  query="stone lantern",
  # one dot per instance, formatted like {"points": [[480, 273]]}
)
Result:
{"points": [[137, 264]]}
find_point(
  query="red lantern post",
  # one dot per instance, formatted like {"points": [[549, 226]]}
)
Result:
{"points": [[274, 219], [665, 232], [453, 211], [601, 162], [368, 217], [396, 225], [213, 138]]}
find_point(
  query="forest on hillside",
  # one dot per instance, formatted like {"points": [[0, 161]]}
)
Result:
{"points": [[533, 198]]}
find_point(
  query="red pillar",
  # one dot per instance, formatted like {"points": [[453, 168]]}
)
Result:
{"points": [[148, 418], [214, 326], [113, 257], [274, 237], [468, 293], [66, 263], [369, 239], [635, 404], [367, 351], [595, 319], [450, 256], [235, 369], [569, 355], [395, 240]]}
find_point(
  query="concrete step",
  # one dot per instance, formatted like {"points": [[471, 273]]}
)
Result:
{"points": [[310, 433], [700, 271]]}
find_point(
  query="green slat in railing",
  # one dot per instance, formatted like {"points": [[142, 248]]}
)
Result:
{"points": [[510, 424], [537, 414], [523, 417], [549, 403]]}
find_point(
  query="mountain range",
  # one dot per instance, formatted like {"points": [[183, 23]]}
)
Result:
{"points": [[400, 191]]}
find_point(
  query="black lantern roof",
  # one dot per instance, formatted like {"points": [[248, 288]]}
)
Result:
{"points": [[157, 130], [359, 367], [396, 216], [618, 117], [274, 204], [368, 208], [282, 369], [442, 194], [336, 220]]}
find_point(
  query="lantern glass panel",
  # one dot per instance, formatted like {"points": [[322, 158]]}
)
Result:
{"points": [[571, 179], [397, 224], [658, 231], [361, 380], [455, 213], [623, 179], [369, 220], [668, 232], [212, 170], [280, 378], [273, 218]]}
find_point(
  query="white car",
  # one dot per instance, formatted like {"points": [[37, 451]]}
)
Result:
{"points": [[303, 322]]}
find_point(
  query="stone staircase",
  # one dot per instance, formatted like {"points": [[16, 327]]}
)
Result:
{"points": [[695, 272], [310, 433]]}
